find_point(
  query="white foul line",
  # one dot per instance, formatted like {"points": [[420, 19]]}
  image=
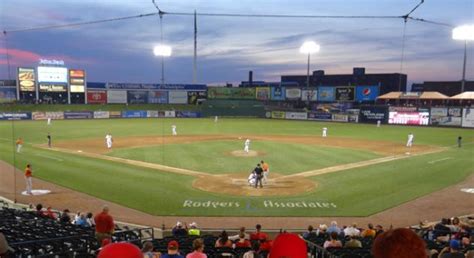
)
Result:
{"points": [[438, 160]]}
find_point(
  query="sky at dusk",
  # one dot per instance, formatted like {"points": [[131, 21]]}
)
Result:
{"points": [[228, 47]]}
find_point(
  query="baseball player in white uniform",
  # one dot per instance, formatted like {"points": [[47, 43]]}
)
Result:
{"points": [[410, 140], [378, 123], [252, 178], [49, 120], [216, 118], [173, 130], [108, 140], [247, 145], [325, 132]]}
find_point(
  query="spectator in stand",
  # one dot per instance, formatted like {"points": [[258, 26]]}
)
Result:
{"points": [[198, 249], [242, 242], [258, 234], [322, 230], [369, 232], [453, 251], [90, 220], [332, 242], [265, 245], [378, 230], [104, 225], [400, 242], [442, 231], [49, 213], [289, 245], [193, 230], [172, 250], [334, 228], [39, 210], [253, 253], [223, 240], [455, 225], [353, 243], [122, 250], [4, 247], [81, 220], [310, 233], [352, 230], [147, 250], [179, 230], [241, 231], [65, 217]]}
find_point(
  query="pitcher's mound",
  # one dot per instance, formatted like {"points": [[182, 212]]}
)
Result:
{"points": [[241, 153], [37, 192]]}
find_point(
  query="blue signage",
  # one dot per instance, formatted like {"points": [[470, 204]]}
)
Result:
{"points": [[96, 85], [326, 94], [15, 116], [278, 93], [188, 114], [367, 93], [134, 114], [7, 94], [319, 116], [78, 115], [151, 86], [137, 97]]}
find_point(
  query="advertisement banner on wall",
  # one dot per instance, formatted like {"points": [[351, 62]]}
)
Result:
{"points": [[15, 116], [340, 118], [188, 114], [321, 116], [26, 79], [134, 114], [77, 80], [367, 93], [467, 117], [296, 115], [78, 115], [137, 97], [456, 112], [353, 118], [50, 87], [54, 115], [373, 114], [117, 96], [115, 114], [196, 97], [230, 93], [326, 94], [309, 95], [151, 113], [263, 93], [178, 97], [278, 114], [101, 114], [96, 97], [441, 117], [409, 118], [52, 74], [7, 94], [170, 113], [439, 112], [402, 109], [345, 94], [293, 93], [158, 97], [278, 93]]}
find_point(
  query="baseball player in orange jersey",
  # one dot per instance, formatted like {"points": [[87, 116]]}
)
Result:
{"points": [[28, 179], [19, 144], [266, 170]]}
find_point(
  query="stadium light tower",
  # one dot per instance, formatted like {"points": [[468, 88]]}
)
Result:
{"points": [[309, 47], [163, 51], [465, 33]]}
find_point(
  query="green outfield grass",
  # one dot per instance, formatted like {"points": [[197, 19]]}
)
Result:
{"points": [[354, 192]]}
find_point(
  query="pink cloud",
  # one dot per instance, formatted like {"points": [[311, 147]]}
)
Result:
{"points": [[20, 57]]}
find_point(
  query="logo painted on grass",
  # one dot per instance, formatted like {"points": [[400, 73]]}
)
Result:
{"points": [[266, 204]]}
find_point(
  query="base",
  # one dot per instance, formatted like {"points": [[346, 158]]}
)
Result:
{"points": [[37, 192]]}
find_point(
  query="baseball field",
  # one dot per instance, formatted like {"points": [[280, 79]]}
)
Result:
{"points": [[358, 170]]}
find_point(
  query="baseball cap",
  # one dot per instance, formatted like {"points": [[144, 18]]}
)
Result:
{"points": [[173, 245], [454, 244], [123, 250], [288, 245]]}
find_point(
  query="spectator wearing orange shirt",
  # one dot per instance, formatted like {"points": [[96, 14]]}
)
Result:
{"points": [[104, 225], [19, 144], [369, 232], [28, 179]]}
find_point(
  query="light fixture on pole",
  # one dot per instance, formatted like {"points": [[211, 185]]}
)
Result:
{"points": [[309, 47], [465, 33], [163, 51]]}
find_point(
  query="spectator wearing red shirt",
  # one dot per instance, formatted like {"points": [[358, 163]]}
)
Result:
{"points": [[242, 242], [265, 245], [258, 235], [104, 225]]}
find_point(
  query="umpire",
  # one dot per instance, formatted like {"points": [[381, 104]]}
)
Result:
{"points": [[259, 172]]}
